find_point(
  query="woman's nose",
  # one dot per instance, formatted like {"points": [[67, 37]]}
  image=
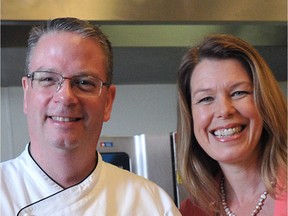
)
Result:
{"points": [[225, 108]]}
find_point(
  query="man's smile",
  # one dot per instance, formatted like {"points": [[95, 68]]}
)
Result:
{"points": [[64, 119]]}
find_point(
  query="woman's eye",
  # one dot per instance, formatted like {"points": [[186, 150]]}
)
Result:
{"points": [[240, 93], [206, 100]]}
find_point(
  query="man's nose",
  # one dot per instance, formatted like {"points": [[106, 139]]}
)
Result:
{"points": [[65, 93]]}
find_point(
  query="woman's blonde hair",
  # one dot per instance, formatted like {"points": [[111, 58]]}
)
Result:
{"points": [[197, 169]]}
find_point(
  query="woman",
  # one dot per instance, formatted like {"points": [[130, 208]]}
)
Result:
{"points": [[232, 131]]}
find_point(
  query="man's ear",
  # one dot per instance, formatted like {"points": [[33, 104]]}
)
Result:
{"points": [[25, 90], [111, 92]]}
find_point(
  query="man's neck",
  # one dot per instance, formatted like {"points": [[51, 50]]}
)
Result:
{"points": [[65, 168]]}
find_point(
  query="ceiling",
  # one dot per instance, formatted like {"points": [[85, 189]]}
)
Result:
{"points": [[149, 39], [148, 10]]}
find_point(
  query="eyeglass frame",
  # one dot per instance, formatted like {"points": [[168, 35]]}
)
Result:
{"points": [[63, 78]]}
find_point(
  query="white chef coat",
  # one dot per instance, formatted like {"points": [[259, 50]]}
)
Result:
{"points": [[108, 190]]}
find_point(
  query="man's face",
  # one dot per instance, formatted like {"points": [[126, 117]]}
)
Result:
{"points": [[66, 119]]}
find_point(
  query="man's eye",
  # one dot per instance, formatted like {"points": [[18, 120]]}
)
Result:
{"points": [[83, 82], [47, 79]]}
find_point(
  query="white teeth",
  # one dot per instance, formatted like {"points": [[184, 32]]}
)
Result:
{"points": [[62, 119], [227, 132]]}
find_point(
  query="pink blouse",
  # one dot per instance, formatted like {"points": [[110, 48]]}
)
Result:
{"points": [[187, 208]]}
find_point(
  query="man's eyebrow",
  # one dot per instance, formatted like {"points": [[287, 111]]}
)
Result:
{"points": [[87, 73], [45, 69]]}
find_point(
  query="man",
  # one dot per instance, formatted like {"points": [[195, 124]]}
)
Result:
{"points": [[67, 96]]}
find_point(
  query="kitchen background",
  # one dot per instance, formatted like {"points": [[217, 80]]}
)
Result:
{"points": [[149, 38]]}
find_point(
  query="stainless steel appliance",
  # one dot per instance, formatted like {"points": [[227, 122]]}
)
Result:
{"points": [[146, 155]]}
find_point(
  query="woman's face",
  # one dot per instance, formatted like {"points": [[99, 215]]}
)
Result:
{"points": [[227, 123]]}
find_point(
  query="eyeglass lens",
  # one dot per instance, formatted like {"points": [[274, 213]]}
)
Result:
{"points": [[52, 82]]}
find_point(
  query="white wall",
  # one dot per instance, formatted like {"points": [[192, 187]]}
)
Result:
{"points": [[13, 123], [149, 109]]}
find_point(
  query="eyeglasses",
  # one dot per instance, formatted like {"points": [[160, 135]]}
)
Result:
{"points": [[51, 82]]}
